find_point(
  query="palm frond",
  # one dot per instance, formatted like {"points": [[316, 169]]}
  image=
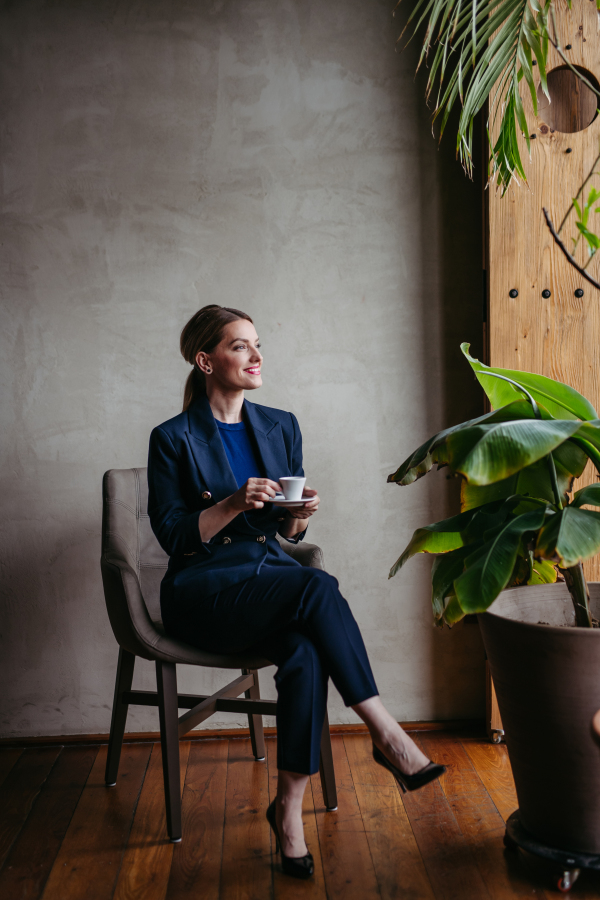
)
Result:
{"points": [[480, 51]]}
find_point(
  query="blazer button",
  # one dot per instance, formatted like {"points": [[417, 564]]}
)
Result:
{"points": [[206, 495], [226, 540], [281, 519], [261, 539]]}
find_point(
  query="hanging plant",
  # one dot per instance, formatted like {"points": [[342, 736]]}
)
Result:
{"points": [[478, 53]]}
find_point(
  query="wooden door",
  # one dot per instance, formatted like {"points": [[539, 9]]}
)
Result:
{"points": [[556, 335]]}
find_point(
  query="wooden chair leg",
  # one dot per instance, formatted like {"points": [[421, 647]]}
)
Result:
{"points": [[255, 722], [166, 683], [123, 682], [326, 769]]}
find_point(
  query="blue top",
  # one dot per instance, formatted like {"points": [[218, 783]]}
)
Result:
{"points": [[240, 451]]}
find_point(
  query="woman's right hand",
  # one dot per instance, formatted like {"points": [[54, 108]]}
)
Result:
{"points": [[254, 494]]}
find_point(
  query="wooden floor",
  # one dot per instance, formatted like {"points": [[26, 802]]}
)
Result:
{"points": [[65, 836]]}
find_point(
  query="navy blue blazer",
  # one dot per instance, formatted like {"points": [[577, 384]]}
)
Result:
{"points": [[188, 471]]}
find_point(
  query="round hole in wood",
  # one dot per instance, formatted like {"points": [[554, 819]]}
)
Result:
{"points": [[573, 105]]}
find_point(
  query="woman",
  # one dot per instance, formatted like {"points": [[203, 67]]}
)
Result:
{"points": [[212, 475]]}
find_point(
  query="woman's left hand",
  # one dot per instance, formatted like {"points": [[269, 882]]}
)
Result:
{"points": [[309, 508]]}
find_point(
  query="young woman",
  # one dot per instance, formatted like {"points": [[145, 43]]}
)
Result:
{"points": [[213, 471]]}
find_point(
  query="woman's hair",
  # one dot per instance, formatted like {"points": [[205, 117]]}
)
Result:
{"points": [[203, 332]]}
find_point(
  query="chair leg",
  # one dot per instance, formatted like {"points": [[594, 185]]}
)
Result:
{"points": [[255, 723], [326, 769], [166, 683], [123, 682]]}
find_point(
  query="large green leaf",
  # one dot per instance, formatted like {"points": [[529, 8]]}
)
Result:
{"points": [[543, 572], [489, 569], [561, 401], [485, 454], [533, 481], [453, 612], [570, 460], [588, 448], [569, 536], [587, 496], [434, 450], [590, 432], [437, 538], [444, 572], [448, 568]]}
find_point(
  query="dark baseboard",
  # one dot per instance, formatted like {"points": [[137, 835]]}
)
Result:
{"points": [[472, 726]]}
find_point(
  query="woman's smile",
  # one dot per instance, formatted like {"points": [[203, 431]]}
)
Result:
{"points": [[253, 370]]}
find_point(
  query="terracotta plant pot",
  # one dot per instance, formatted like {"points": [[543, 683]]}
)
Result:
{"points": [[547, 680]]}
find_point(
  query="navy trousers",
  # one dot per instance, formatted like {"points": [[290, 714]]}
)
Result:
{"points": [[297, 618]]}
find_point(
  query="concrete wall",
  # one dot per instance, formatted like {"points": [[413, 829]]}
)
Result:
{"points": [[275, 156]]}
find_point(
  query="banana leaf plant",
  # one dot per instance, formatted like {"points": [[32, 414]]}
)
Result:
{"points": [[519, 523]]}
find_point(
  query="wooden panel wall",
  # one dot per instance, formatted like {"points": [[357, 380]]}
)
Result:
{"points": [[558, 336]]}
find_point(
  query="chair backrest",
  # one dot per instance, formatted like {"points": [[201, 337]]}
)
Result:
{"points": [[127, 535]]}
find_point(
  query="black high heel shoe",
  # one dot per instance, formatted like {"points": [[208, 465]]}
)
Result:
{"points": [[296, 866], [409, 782]]}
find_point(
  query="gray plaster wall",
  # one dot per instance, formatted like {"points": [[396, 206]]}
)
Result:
{"points": [[274, 155]]}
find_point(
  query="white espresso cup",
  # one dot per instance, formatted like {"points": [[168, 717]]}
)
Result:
{"points": [[292, 487]]}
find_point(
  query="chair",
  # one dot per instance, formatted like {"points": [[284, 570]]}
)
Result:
{"points": [[133, 565]]}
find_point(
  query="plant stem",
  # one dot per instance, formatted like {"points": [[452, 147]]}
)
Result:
{"points": [[534, 406], [554, 481], [578, 589], [592, 172], [558, 241]]}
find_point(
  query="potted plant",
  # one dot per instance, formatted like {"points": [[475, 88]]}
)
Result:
{"points": [[518, 543]]}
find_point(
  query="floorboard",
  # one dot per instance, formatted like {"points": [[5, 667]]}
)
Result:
{"points": [[8, 758], [398, 863], [87, 865], [482, 826], [65, 836], [20, 790], [347, 863], [446, 851], [246, 867], [493, 767], [146, 865], [33, 853], [196, 867]]}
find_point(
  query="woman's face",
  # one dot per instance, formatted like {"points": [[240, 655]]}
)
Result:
{"points": [[235, 362]]}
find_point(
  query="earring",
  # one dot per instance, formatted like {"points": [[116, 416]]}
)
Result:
{"points": [[208, 371]]}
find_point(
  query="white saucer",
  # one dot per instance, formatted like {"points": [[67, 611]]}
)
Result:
{"points": [[279, 500]]}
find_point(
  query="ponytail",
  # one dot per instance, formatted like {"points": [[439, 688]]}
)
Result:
{"points": [[203, 332], [195, 386]]}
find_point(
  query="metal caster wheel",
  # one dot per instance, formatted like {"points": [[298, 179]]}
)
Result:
{"points": [[497, 737], [567, 880], [568, 862]]}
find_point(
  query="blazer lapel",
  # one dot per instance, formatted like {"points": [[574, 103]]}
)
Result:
{"points": [[269, 439], [208, 451]]}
